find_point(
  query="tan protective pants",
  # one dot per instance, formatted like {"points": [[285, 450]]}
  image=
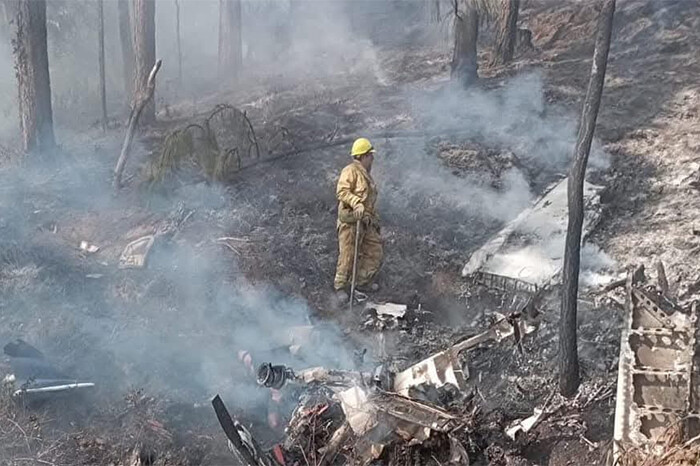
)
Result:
{"points": [[369, 259]]}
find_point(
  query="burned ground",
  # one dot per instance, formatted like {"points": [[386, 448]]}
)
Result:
{"points": [[259, 251]]}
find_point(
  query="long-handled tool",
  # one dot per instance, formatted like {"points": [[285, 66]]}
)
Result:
{"points": [[358, 226]]}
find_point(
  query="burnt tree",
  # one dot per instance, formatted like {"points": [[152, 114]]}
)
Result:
{"points": [[33, 80], [5, 12], [144, 41], [466, 32], [230, 42], [101, 54], [179, 45], [568, 351], [126, 46], [435, 11], [507, 32]]}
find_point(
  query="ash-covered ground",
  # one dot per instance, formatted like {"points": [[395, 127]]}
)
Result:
{"points": [[236, 263]]}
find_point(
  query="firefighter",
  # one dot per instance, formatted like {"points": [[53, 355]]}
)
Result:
{"points": [[357, 198]]}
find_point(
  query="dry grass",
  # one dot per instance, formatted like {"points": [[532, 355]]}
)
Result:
{"points": [[22, 439], [671, 449], [33, 436]]}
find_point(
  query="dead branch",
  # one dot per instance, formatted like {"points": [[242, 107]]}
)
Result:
{"points": [[254, 139], [140, 102], [339, 438]]}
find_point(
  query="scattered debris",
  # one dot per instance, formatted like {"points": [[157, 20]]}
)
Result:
{"points": [[240, 441], [352, 416], [374, 417], [445, 368], [87, 247], [525, 425], [505, 284], [388, 309], [232, 243], [136, 253], [361, 415], [382, 316], [31, 375]]}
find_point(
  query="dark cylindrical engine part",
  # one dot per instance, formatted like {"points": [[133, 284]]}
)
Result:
{"points": [[272, 376]]}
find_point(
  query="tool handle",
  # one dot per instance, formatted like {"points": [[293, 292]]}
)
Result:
{"points": [[358, 225]]}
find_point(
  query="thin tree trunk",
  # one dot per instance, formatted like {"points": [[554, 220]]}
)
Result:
{"points": [[230, 42], [179, 47], [144, 40], [507, 32], [33, 80], [101, 40], [435, 11], [127, 47], [9, 11], [5, 13], [464, 58], [568, 351]]}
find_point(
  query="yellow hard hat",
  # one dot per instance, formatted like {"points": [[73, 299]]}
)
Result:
{"points": [[361, 147]]}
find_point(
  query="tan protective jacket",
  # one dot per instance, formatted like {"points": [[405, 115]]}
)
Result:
{"points": [[356, 186]]}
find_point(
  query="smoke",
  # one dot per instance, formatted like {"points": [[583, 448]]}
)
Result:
{"points": [[174, 328], [412, 178], [284, 42], [512, 118], [515, 116], [177, 326]]}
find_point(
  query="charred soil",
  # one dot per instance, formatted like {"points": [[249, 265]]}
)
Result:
{"points": [[265, 239]]}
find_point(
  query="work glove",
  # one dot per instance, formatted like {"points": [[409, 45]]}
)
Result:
{"points": [[358, 212]]}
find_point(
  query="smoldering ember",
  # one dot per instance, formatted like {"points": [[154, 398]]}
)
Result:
{"points": [[362, 232]]}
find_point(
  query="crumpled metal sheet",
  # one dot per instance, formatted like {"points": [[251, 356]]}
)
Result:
{"points": [[655, 373], [529, 248], [135, 254]]}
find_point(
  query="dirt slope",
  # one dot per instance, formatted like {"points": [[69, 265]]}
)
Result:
{"points": [[281, 216]]}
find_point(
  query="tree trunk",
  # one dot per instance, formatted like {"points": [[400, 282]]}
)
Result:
{"points": [[435, 11], [464, 65], [101, 41], [230, 43], [144, 40], [5, 12], [179, 47], [32, 70], [568, 352], [507, 32], [127, 46]]}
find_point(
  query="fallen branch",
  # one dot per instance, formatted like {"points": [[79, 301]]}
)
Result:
{"points": [[140, 103], [233, 238]]}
